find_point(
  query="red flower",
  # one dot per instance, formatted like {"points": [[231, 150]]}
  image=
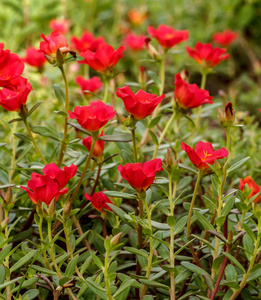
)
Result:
{"points": [[98, 148], [34, 57], [61, 176], [94, 116], [167, 36], [52, 43], [99, 201], [225, 38], [86, 42], [61, 26], [44, 188], [139, 105], [203, 154], [207, 55], [134, 42], [104, 58], [252, 185], [137, 17], [11, 66], [140, 176], [15, 96], [189, 95], [92, 85]]}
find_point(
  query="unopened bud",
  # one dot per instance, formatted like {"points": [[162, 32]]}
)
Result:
{"points": [[121, 118], [169, 160], [67, 210], [152, 51], [230, 237], [184, 74], [4, 224], [115, 239], [8, 196], [227, 118], [51, 208], [50, 59], [60, 56]]}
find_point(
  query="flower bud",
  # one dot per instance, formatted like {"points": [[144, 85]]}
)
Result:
{"points": [[4, 224], [8, 196], [256, 210], [121, 118], [152, 51], [227, 118], [115, 239], [169, 160], [230, 237], [51, 208], [67, 210]]}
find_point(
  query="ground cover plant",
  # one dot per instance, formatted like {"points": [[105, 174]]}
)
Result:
{"points": [[130, 162]]}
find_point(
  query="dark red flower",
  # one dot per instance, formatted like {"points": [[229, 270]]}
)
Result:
{"points": [[139, 105], [190, 95], [252, 185], [11, 66], [44, 188], [62, 26], [204, 154], [206, 55], [52, 43], [134, 42], [99, 201], [34, 57], [140, 176], [98, 148], [62, 176], [94, 116], [92, 85], [105, 57], [15, 96], [225, 38], [167, 36], [86, 42]]}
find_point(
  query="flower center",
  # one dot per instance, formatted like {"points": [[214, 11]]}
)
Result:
{"points": [[205, 155]]}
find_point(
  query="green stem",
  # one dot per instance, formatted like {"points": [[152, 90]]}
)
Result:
{"points": [[42, 239], [49, 222], [63, 142], [13, 154], [94, 139], [162, 74], [144, 288], [200, 173], [33, 140], [202, 86], [107, 281], [252, 262], [170, 121], [226, 165], [107, 81], [6, 262], [134, 145]]}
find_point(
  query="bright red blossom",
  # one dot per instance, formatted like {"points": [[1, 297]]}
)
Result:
{"points": [[203, 154], [98, 148], [134, 42], [86, 42], [105, 57], [99, 201], [140, 176], [45, 188], [225, 38], [207, 55], [94, 116], [62, 26], [252, 185], [167, 36], [11, 66], [92, 85], [52, 43], [139, 105], [15, 96], [34, 58], [190, 95]]}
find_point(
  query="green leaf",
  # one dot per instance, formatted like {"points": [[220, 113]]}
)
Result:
{"points": [[154, 121], [249, 246], [155, 78], [203, 241], [23, 137], [61, 113], [97, 289], [171, 221], [120, 195], [249, 232], [79, 127], [3, 285], [2, 274], [15, 120], [238, 164], [127, 157], [231, 273], [154, 137], [219, 235], [136, 251], [234, 261], [4, 252], [86, 264], [116, 138], [154, 284], [204, 222], [44, 131], [180, 225], [97, 261], [59, 93], [71, 266], [23, 260], [193, 268], [188, 168], [228, 206], [182, 276], [123, 292], [31, 294], [34, 108]]}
